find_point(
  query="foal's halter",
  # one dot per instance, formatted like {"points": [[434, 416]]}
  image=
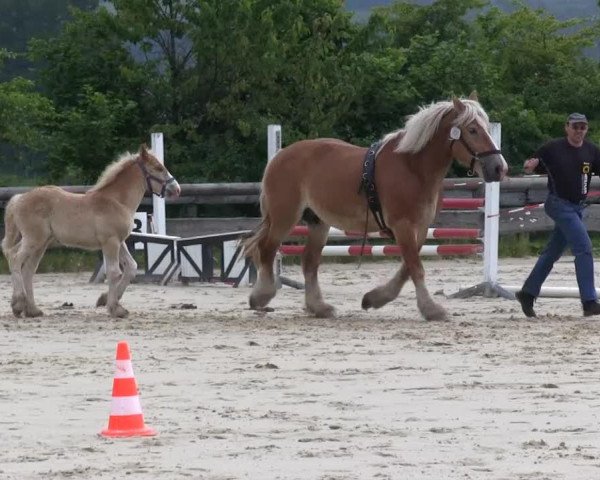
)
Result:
{"points": [[149, 177], [456, 134]]}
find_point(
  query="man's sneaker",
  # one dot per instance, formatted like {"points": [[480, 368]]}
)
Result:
{"points": [[591, 308], [526, 300]]}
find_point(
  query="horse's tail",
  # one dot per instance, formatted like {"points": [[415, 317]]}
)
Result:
{"points": [[12, 234], [251, 243]]}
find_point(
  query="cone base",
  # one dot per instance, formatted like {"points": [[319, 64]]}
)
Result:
{"points": [[145, 431]]}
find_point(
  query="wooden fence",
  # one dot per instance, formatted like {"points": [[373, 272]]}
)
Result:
{"points": [[514, 193]]}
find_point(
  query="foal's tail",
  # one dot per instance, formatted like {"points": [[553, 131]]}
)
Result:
{"points": [[12, 235]]}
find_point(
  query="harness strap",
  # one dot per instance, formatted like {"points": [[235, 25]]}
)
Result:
{"points": [[367, 185]]}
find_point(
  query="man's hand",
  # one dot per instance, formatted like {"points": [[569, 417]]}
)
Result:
{"points": [[530, 164]]}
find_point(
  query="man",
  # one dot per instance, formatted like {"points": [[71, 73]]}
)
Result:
{"points": [[569, 163]]}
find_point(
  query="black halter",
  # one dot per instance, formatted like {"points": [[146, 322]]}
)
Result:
{"points": [[160, 181], [475, 157]]}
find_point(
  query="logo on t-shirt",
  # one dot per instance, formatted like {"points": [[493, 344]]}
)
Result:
{"points": [[585, 171]]}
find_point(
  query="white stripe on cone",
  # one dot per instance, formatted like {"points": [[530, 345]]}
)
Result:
{"points": [[124, 369], [125, 406]]}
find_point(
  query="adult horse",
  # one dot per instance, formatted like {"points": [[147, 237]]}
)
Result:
{"points": [[321, 178], [100, 219]]}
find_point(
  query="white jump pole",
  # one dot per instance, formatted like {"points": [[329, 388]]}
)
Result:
{"points": [[273, 146], [158, 203], [491, 230]]}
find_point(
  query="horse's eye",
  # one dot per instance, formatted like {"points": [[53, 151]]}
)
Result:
{"points": [[473, 131]]}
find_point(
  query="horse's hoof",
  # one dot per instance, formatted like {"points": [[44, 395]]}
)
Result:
{"points": [[366, 302], [440, 316], [101, 302], [326, 311], [259, 302], [17, 304], [33, 312], [118, 312], [263, 309]]}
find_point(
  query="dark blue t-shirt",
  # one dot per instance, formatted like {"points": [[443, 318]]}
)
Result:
{"points": [[569, 168]]}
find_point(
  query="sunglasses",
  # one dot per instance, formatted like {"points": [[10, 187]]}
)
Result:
{"points": [[579, 127]]}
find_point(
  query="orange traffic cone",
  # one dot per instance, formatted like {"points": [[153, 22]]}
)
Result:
{"points": [[126, 418]]}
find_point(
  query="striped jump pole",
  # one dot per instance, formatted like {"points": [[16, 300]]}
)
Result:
{"points": [[385, 250], [432, 233]]}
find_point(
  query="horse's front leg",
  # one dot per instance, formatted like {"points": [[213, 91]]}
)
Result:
{"points": [[113, 276], [129, 266], [387, 292], [412, 261]]}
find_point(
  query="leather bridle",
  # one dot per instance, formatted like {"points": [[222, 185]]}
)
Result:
{"points": [[475, 156], [149, 177]]}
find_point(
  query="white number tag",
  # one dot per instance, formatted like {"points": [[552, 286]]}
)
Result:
{"points": [[455, 133]]}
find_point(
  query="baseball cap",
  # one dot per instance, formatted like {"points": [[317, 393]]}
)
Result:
{"points": [[577, 118]]}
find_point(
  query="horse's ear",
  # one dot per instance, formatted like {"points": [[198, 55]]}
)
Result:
{"points": [[458, 105], [473, 96], [143, 150]]}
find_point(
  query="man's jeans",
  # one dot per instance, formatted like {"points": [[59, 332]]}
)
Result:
{"points": [[570, 230]]}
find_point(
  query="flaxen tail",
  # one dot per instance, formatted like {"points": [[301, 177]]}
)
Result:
{"points": [[251, 243], [12, 235]]}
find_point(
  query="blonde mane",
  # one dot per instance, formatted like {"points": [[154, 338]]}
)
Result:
{"points": [[421, 126], [112, 170]]}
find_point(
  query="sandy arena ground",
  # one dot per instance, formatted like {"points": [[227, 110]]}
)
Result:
{"points": [[367, 395]]}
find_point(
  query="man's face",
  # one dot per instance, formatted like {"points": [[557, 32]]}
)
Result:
{"points": [[576, 132]]}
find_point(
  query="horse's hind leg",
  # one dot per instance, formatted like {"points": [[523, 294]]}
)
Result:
{"points": [[129, 266], [20, 261], [317, 237], [113, 275], [278, 219], [265, 289], [18, 300]]}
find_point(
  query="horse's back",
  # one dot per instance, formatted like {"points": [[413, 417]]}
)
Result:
{"points": [[323, 175], [315, 161]]}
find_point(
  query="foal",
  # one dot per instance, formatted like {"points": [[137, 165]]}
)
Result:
{"points": [[100, 219]]}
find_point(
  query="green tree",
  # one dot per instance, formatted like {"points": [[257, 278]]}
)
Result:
{"points": [[99, 94]]}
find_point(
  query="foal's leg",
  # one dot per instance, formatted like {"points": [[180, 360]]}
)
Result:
{"points": [[129, 266], [110, 251], [21, 273], [317, 237], [29, 268], [18, 299]]}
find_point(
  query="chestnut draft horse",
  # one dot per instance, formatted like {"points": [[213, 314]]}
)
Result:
{"points": [[99, 219], [320, 179]]}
